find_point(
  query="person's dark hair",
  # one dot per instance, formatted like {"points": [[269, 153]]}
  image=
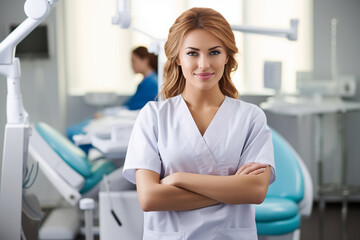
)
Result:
{"points": [[142, 53]]}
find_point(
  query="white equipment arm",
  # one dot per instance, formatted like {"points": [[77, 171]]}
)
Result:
{"points": [[122, 16], [290, 34], [17, 129], [37, 11]]}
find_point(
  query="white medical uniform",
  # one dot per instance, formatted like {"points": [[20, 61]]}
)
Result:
{"points": [[165, 139]]}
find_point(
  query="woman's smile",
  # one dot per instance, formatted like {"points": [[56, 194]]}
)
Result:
{"points": [[204, 76]]}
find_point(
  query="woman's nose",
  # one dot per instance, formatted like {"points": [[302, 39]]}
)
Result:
{"points": [[203, 62]]}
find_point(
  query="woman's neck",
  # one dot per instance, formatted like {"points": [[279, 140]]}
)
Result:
{"points": [[199, 98], [147, 72]]}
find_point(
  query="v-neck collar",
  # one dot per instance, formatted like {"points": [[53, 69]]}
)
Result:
{"points": [[193, 123]]}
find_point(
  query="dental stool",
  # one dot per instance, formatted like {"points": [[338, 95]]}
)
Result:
{"points": [[288, 199], [70, 172]]}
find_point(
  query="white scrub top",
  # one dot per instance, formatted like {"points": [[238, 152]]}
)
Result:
{"points": [[165, 139]]}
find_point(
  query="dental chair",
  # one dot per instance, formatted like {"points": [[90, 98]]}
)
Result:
{"points": [[288, 199], [74, 176]]}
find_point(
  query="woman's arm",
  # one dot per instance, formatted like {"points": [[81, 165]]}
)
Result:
{"points": [[154, 196], [235, 189]]}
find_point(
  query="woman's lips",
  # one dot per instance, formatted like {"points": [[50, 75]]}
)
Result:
{"points": [[204, 76]]}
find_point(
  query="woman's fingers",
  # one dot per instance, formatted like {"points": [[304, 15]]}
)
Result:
{"points": [[257, 171], [251, 168]]}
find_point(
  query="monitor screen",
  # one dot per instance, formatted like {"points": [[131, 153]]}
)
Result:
{"points": [[35, 45]]}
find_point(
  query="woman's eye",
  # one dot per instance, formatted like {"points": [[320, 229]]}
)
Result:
{"points": [[192, 53], [214, 53]]}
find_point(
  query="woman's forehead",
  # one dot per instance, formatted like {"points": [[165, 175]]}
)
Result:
{"points": [[200, 39]]}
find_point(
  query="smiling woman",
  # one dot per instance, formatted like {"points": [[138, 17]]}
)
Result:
{"points": [[201, 157], [202, 59]]}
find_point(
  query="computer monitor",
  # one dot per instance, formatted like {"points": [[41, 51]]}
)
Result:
{"points": [[35, 45]]}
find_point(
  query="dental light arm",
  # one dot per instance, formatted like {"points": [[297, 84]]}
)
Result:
{"points": [[17, 129], [290, 34], [36, 11]]}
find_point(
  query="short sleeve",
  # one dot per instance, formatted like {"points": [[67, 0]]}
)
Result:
{"points": [[258, 144], [142, 152]]}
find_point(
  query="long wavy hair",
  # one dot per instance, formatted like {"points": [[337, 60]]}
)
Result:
{"points": [[208, 20]]}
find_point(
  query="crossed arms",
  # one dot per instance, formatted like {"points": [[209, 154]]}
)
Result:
{"points": [[186, 191]]}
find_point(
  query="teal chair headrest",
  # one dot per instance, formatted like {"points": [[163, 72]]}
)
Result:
{"points": [[289, 180], [71, 154]]}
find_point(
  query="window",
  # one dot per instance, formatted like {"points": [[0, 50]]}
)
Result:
{"points": [[97, 54]]}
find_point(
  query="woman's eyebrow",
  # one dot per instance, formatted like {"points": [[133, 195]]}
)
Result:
{"points": [[214, 48], [196, 49], [192, 48]]}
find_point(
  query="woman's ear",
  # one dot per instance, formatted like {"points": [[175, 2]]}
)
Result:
{"points": [[178, 61]]}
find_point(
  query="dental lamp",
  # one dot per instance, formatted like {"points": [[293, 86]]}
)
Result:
{"points": [[17, 129]]}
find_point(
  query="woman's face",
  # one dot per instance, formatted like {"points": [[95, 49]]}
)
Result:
{"points": [[202, 58], [137, 63]]}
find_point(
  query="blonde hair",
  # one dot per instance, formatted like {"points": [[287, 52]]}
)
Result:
{"points": [[208, 20]]}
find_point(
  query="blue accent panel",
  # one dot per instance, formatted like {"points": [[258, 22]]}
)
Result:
{"points": [[278, 227], [99, 168], [69, 152], [275, 209], [289, 180]]}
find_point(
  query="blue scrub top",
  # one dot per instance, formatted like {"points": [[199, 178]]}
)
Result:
{"points": [[146, 91]]}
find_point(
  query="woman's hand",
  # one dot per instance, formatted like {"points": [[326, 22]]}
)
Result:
{"points": [[253, 168], [171, 179]]}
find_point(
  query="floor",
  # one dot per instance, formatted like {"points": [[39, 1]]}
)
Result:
{"points": [[332, 223]]}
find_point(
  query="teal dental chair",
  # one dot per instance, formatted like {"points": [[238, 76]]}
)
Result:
{"points": [[288, 199], [66, 165], [72, 174]]}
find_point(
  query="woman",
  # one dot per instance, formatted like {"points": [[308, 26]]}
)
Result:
{"points": [[142, 62], [146, 64], [201, 157]]}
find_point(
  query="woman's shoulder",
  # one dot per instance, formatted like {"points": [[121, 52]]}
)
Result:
{"points": [[243, 105], [163, 105]]}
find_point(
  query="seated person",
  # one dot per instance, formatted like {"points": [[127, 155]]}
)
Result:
{"points": [[142, 62]]}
